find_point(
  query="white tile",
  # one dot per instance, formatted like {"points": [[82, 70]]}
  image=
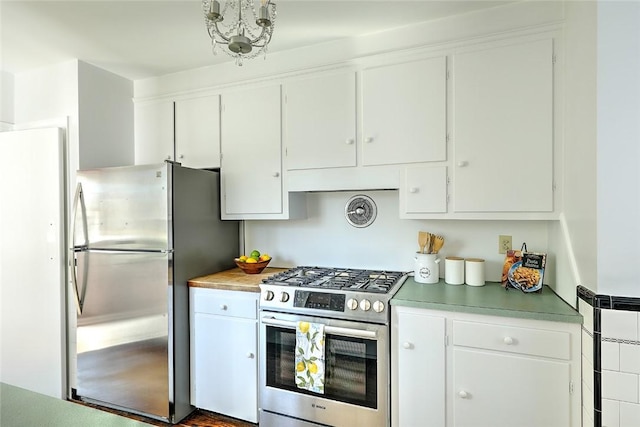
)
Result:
{"points": [[629, 414], [610, 413], [587, 315], [610, 358], [620, 324], [630, 358], [587, 346], [620, 386], [587, 374]]}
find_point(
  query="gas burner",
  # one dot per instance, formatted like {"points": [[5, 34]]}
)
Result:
{"points": [[336, 278]]}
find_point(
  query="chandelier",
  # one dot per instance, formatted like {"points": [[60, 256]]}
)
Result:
{"points": [[244, 31]]}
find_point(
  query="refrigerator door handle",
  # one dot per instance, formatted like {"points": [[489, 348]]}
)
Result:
{"points": [[130, 251], [79, 294]]}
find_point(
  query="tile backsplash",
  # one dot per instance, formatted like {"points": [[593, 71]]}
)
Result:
{"points": [[611, 360]]}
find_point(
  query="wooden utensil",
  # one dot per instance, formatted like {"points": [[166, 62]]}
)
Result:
{"points": [[437, 244], [423, 239]]}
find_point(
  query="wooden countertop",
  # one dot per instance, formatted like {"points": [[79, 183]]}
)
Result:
{"points": [[234, 280]]}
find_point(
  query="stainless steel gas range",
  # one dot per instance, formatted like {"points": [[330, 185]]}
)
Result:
{"points": [[352, 305]]}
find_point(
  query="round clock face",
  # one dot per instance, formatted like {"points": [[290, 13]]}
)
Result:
{"points": [[360, 211]]}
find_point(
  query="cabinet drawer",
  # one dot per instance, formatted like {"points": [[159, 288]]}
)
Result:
{"points": [[225, 303], [534, 342]]}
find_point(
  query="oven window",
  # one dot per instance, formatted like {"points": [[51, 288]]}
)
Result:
{"points": [[350, 366]]}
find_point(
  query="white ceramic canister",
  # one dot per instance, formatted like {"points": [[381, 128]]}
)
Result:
{"points": [[474, 271], [454, 270], [427, 268]]}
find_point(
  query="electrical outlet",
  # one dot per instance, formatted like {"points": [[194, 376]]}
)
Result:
{"points": [[504, 244]]}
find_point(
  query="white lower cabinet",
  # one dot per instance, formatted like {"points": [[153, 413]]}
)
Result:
{"points": [[499, 389], [224, 352], [418, 361], [466, 370]]}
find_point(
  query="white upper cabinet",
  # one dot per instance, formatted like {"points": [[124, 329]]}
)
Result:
{"points": [[197, 132], [320, 121], [404, 112], [251, 170], [423, 190], [153, 123], [503, 128]]}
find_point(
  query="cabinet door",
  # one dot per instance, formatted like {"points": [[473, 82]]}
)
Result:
{"points": [[198, 132], [153, 132], [404, 112], [503, 129], [320, 122], [251, 169], [503, 390], [424, 190], [226, 372], [418, 386]]}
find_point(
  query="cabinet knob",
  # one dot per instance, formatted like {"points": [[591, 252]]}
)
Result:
{"points": [[276, 174], [463, 394], [250, 355], [169, 157], [368, 139], [407, 345], [508, 340], [181, 156], [463, 163], [223, 307], [413, 190], [349, 141]]}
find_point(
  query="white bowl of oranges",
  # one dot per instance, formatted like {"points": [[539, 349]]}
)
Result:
{"points": [[253, 263]]}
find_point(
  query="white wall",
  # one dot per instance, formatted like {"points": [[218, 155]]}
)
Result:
{"points": [[573, 239], [50, 93], [6, 97], [326, 239], [96, 104], [618, 171]]}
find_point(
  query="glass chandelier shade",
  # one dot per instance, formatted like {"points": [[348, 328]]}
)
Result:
{"points": [[243, 31]]}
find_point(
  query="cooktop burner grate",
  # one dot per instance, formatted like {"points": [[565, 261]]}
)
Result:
{"points": [[375, 281]]}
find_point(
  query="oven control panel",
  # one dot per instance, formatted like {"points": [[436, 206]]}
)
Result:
{"points": [[319, 300]]}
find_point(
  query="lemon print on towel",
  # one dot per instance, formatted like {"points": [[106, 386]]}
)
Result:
{"points": [[309, 361]]}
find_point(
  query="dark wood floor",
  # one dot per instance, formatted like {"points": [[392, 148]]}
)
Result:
{"points": [[139, 363], [199, 418]]}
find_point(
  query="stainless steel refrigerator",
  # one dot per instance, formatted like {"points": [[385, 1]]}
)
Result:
{"points": [[138, 234]]}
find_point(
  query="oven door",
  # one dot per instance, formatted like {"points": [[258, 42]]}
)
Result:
{"points": [[356, 388]]}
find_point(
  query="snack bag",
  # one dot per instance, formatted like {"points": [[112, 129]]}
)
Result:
{"points": [[525, 270]]}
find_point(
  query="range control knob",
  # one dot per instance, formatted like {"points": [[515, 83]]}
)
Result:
{"points": [[284, 297], [365, 305], [268, 295], [378, 306], [352, 304]]}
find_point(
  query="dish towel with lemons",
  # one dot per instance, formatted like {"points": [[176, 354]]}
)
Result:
{"points": [[310, 356]]}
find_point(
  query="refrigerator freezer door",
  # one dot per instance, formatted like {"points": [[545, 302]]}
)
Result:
{"points": [[126, 207], [123, 332]]}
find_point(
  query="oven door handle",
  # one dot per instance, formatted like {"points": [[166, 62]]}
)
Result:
{"points": [[334, 330]]}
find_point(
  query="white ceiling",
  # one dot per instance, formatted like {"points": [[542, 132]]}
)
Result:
{"points": [[144, 38]]}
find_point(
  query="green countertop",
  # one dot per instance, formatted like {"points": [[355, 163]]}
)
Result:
{"points": [[491, 299], [20, 407]]}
